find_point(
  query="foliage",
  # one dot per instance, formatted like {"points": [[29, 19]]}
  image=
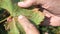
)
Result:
{"points": [[10, 8]]}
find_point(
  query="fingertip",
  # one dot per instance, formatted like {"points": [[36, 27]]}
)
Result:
{"points": [[26, 4], [20, 17], [21, 4]]}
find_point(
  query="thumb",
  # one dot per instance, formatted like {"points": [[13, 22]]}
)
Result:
{"points": [[28, 27], [26, 3]]}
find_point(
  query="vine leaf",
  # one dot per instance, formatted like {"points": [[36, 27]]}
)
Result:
{"points": [[12, 29], [14, 10], [32, 14]]}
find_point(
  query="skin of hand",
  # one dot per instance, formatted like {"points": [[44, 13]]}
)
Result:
{"points": [[52, 12], [28, 27]]}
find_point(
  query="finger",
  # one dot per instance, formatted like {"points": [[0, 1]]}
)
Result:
{"points": [[28, 27], [47, 14], [26, 3], [9, 19], [55, 21]]}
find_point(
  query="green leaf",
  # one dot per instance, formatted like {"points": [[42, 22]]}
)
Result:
{"points": [[20, 28], [11, 6], [13, 28]]}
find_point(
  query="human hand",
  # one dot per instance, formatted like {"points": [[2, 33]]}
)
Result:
{"points": [[28, 27], [52, 6]]}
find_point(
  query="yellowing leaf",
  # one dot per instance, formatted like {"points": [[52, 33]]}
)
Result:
{"points": [[11, 6]]}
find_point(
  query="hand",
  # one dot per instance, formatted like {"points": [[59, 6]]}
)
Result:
{"points": [[52, 12], [28, 27]]}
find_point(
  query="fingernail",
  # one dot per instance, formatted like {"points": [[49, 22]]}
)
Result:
{"points": [[21, 17], [21, 4]]}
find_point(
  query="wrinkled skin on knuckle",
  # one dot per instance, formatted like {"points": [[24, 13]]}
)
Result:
{"points": [[53, 6]]}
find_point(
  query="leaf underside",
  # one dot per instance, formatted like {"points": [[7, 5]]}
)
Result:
{"points": [[14, 10], [32, 14]]}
